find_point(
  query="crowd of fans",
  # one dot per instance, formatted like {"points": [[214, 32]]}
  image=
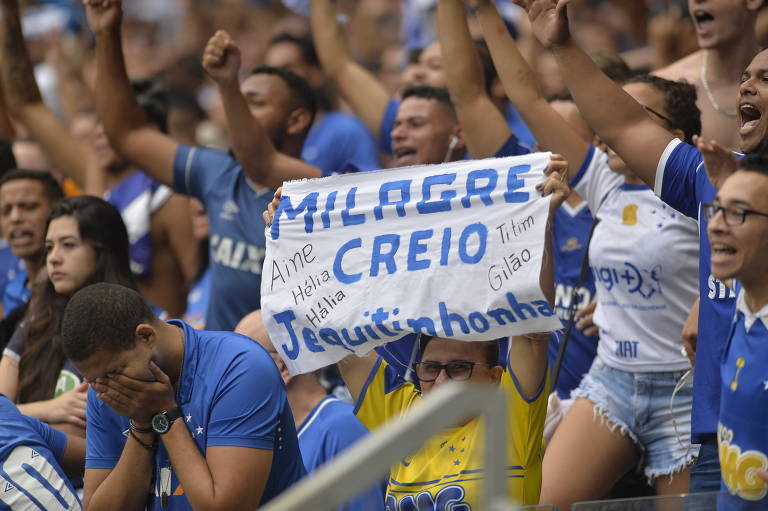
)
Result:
{"points": [[143, 144]]}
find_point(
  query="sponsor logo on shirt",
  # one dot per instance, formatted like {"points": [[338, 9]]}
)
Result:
{"points": [[229, 210], [718, 290], [633, 279], [571, 245], [739, 468], [237, 254]]}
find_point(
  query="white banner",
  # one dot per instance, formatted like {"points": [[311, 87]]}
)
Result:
{"points": [[453, 250]]}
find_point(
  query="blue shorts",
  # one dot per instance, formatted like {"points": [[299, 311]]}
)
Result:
{"points": [[638, 405]]}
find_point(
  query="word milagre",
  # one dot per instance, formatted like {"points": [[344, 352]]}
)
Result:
{"points": [[433, 194]]}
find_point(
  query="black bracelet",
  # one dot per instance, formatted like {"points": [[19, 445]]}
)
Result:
{"points": [[137, 429], [150, 448]]}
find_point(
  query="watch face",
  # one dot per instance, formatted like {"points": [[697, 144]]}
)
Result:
{"points": [[160, 423]]}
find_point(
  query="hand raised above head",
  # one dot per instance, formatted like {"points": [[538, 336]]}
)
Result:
{"points": [[221, 59], [549, 20], [103, 14]]}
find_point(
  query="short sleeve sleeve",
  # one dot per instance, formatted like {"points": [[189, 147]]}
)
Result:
{"points": [[15, 347], [595, 179], [676, 177], [197, 170], [384, 395], [55, 440], [248, 405], [387, 122], [104, 442]]}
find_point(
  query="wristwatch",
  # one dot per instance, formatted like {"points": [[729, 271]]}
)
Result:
{"points": [[162, 421]]}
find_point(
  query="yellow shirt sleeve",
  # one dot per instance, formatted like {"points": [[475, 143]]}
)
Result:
{"points": [[385, 395]]}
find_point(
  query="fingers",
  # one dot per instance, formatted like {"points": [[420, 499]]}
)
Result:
{"points": [[216, 49], [77, 421], [158, 373], [592, 331]]}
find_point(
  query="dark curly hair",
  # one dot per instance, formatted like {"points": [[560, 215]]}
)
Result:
{"points": [[679, 103], [439, 94]]}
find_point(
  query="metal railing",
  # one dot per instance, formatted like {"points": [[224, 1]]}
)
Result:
{"points": [[370, 460]]}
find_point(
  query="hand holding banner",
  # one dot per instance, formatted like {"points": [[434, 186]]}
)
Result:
{"points": [[452, 250]]}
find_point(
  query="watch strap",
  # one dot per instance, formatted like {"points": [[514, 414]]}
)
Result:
{"points": [[173, 414]]}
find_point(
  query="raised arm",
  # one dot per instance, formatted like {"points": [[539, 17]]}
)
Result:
{"points": [[129, 133], [615, 116], [360, 88], [522, 89], [483, 126], [261, 161], [26, 103], [528, 357]]}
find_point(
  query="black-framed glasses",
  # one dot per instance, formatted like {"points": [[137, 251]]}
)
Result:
{"points": [[731, 215], [660, 116], [457, 370]]}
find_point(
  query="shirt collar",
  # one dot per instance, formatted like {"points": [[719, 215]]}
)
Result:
{"points": [[749, 316], [189, 364]]}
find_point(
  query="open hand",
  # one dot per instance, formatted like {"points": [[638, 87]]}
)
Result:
{"points": [[549, 20], [719, 162], [103, 14], [136, 399], [69, 407], [585, 321], [221, 59]]}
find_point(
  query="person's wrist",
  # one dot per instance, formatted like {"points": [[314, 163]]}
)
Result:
{"points": [[229, 84], [140, 426]]}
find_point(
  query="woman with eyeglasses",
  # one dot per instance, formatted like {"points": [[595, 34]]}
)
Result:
{"points": [[644, 257]]}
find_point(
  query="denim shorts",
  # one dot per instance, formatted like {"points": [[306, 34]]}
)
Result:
{"points": [[638, 405]]}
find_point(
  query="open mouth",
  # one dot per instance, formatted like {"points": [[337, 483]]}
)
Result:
{"points": [[402, 152], [750, 116], [17, 236], [703, 20], [722, 249]]}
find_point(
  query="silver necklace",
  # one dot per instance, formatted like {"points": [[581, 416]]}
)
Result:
{"points": [[710, 97]]}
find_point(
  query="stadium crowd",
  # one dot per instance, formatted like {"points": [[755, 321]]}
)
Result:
{"points": [[143, 146]]}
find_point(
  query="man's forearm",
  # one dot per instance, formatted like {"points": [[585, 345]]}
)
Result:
{"points": [[18, 76], [250, 143], [463, 70], [119, 111], [129, 483], [190, 466]]}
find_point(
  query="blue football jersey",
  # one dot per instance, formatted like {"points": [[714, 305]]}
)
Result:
{"points": [[682, 182], [570, 238], [237, 245], [31, 478], [742, 439], [330, 428], [231, 394]]}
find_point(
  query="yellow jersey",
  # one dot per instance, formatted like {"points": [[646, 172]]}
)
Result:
{"points": [[447, 472]]}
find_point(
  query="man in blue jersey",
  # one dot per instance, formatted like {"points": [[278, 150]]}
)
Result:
{"points": [[675, 171], [177, 418], [336, 138], [738, 233], [26, 199], [325, 424], [277, 112], [34, 457]]}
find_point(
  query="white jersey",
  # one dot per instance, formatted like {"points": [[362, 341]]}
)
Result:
{"points": [[644, 256]]}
